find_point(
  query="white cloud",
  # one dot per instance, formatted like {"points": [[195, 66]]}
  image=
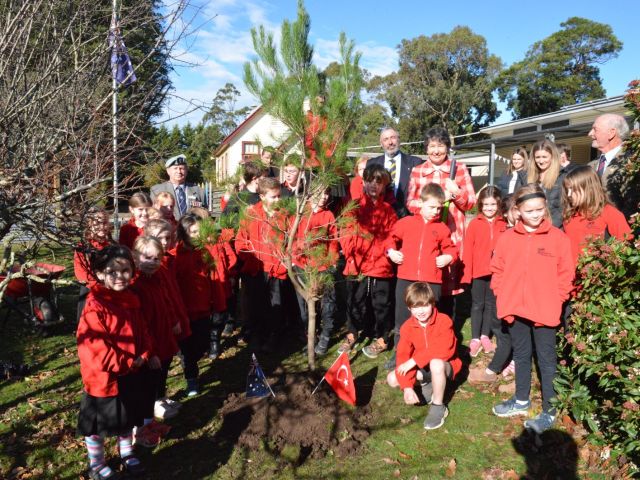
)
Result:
{"points": [[377, 59]]}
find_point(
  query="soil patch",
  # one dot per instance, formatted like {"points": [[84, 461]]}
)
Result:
{"points": [[316, 424]]}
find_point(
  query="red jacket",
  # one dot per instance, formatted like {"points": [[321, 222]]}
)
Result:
{"points": [[479, 242], [81, 261], [110, 336], [317, 233], [532, 274], [436, 340], [421, 242], [193, 274], [158, 311], [579, 229], [260, 242], [366, 239], [177, 304], [129, 232]]}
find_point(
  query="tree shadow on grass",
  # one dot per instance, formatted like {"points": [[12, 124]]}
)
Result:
{"points": [[553, 454], [364, 386]]}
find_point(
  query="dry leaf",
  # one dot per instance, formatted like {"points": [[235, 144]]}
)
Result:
{"points": [[396, 472], [390, 461], [451, 468], [511, 475], [390, 443], [404, 455]]}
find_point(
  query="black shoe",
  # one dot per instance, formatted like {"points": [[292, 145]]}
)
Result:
{"points": [[131, 466]]}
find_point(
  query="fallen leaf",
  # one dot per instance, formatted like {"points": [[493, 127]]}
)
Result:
{"points": [[390, 443], [396, 472], [451, 468], [404, 455], [390, 461]]}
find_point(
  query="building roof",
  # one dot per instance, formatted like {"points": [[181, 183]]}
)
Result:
{"points": [[243, 125]]}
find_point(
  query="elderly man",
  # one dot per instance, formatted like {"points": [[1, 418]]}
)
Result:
{"points": [[607, 134], [399, 166], [187, 195]]}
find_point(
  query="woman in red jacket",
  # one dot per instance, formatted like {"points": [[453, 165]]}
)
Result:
{"points": [[479, 242], [533, 273], [115, 354]]}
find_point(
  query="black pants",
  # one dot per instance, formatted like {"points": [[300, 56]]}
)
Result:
{"points": [[402, 312], [195, 346], [327, 309], [502, 355], [377, 293], [161, 379], [483, 307], [524, 335]]}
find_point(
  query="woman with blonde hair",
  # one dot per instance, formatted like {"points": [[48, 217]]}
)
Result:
{"points": [[544, 170]]}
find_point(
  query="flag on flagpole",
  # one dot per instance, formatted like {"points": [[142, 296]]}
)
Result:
{"points": [[341, 380], [121, 67], [257, 385]]}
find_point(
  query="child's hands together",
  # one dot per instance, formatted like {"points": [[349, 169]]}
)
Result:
{"points": [[395, 256], [443, 260], [410, 396]]}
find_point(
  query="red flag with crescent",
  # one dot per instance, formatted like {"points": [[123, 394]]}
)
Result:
{"points": [[341, 380]]}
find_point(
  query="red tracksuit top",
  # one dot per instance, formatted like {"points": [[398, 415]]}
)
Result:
{"points": [[479, 243], [365, 242], [129, 232], [177, 304], [434, 341], [579, 229], [532, 274], [259, 245], [111, 335], [158, 311], [317, 232], [421, 242], [81, 262]]}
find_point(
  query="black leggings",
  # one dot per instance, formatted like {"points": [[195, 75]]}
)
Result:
{"points": [[195, 346], [483, 307]]}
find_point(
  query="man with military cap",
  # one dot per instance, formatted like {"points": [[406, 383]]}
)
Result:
{"points": [[187, 195]]}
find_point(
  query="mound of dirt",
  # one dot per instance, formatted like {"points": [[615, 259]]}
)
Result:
{"points": [[317, 424]]}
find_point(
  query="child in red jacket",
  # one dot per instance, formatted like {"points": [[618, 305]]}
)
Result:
{"points": [[533, 272], [424, 250], [138, 205], [426, 353], [365, 242], [115, 354], [479, 242], [163, 325], [260, 247]]}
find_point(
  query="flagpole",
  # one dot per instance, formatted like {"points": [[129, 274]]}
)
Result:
{"points": [[114, 111]]}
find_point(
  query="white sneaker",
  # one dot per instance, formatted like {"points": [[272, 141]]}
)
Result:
{"points": [[163, 410]]}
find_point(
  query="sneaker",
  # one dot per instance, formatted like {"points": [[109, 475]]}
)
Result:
{"points": [[510, 408], [544, 421], [228, 330], [391, 363], [509, 370], [481, 375], [487, 345], [347, 344], [427, 391], [214, 351], [435, 417], [375, 348], [146, 437], [474, 347], [192, 387], [163, 410], [322, 346], [132, 466]]}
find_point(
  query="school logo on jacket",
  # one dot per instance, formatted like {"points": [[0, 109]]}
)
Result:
{"points": [[542, 251]]}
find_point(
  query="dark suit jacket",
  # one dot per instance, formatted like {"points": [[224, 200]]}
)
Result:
{"points": [[195, 195], [407, 162], [624, 192]]}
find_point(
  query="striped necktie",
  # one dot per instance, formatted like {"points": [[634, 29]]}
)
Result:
{"points": [[601, 165], [182, 199], [392, 169]]}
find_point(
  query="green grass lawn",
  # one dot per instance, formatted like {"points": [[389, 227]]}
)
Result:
{"points": [[38, 418]]}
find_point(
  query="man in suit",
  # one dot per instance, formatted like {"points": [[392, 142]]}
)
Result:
{"points": [[399, 166], [187, 195], [607, 134]]}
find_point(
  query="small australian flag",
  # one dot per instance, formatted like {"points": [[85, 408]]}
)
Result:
{"points": [[257, 385]]}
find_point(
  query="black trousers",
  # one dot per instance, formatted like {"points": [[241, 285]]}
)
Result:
{"points": [[375, 292], [327, 309], [502, 355], [483, 307], [524, 335], [195, 346], [402, 312]]}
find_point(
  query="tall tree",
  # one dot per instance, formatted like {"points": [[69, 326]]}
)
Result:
{"points": [[563, 69], [223, 112], [444, 79], [284, 78]]}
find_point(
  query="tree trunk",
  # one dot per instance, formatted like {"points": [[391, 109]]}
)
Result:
{"points": [[311, 333]]}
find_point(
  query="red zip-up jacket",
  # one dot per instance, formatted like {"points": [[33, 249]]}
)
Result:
{"points": [[420, 242], [129, 232], [317, 232], [532, 274], [158, 311], [479, 242], [177, 304], [580, 230], [193, 275], [260, 242], [435, 340], [81, 261], [365, 240], [111, 335]]}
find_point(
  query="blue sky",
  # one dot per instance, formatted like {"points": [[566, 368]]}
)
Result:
{"points": [[222, 42]]}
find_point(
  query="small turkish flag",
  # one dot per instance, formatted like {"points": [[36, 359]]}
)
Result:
{"points": [[341, 380]]}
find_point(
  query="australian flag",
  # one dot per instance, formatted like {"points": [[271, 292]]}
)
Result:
{"points": [[257, 385], [121, 67]]}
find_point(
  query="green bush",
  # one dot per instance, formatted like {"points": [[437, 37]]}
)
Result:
{"points": [[599, 382]]}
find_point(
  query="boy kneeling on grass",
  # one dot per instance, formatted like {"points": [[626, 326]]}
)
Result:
{"points": [[426, 353]]}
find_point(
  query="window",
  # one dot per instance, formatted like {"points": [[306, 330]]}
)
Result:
{"points": [[250, 151]]}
